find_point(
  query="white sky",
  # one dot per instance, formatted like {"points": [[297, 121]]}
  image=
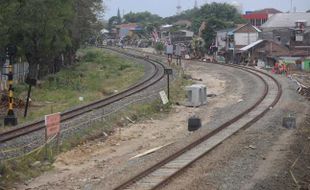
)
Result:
{"points": [[168, 7]]}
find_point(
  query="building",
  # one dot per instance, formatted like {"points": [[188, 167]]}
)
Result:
{"points": [[183, 23], [285, 20], [221, 38], [236, 38], [124, 30], [245, 35], [258, 18], [291, 30], [182, 36], [230, 41], [262, 52], [167, 33]]}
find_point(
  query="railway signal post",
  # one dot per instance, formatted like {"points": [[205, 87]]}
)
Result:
{"points": [[10, 119]]}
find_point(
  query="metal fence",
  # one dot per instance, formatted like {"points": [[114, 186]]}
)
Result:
{"points": [[20, 71]]}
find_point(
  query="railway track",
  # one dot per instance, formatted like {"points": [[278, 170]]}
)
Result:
{"points": [[162, 172], [156, 76]]}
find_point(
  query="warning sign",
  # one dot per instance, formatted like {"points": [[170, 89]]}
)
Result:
{"points": [[163, 97], [52, 123]]}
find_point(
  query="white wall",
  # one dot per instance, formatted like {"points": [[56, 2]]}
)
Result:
{"points": [[243, 39], [220, 43], [20, 71], [189, 33]]}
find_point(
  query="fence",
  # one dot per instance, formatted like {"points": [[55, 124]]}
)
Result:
{"points": [[20, 71]]}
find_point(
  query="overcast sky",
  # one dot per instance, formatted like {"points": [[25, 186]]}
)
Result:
{"points": [[168, 7]]}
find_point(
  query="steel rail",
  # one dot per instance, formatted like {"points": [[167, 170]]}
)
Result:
{"points": [[153, 168], [67, 115]]}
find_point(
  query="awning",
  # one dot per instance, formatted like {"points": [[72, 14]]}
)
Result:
{"points": [[246, 48]]}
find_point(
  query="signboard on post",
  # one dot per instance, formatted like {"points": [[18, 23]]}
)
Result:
{"points": [[52, 123], [163, 97], [168, 71]]}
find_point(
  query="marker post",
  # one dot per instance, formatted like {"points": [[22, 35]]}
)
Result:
{"points": [[10, 119], [168, 72]]}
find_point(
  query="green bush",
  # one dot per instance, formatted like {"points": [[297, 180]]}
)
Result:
{"points": [[159, 46]]}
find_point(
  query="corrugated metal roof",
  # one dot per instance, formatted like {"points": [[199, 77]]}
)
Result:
{"points": [[286, 20], [251, 45]]}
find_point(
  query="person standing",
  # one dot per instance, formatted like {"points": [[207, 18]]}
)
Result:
{"points": [[169, 51], [178, 54]]}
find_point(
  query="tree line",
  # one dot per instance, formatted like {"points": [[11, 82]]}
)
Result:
{"points": [[216, 16], [48, 33]]}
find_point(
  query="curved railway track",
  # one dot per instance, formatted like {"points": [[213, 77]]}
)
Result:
{"points": [[156, 76], [160, 173]]}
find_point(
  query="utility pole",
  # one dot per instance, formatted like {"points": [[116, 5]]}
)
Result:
{"points": [[291, 6], [10, 119], [196, 5], [179, 8]]}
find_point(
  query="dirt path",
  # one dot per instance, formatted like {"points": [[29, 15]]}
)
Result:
{"points": [[257, 158], [260, 157], [95, 160]]}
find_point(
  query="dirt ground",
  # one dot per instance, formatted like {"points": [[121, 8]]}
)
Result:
{"points": [[87, 162], [275, 152], [266, 156]]}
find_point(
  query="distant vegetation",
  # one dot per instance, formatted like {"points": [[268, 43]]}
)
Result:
{"points": [[47, 31], [142, 17], [216, 15], [146, 19]]}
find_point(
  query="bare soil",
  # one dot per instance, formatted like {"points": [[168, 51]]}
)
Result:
{"points": [[265, 156], [93, 160]]}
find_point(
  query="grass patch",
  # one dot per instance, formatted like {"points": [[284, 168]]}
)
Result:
{"points": [[99, 74], [23, 168]]}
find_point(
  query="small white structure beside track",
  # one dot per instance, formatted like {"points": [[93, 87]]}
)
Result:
{"points": [[196, 95]]}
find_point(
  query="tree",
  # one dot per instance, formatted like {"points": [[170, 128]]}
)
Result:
{"points": [[85, 23], [43, 30], [112, 22], [308, 11], [159, 47], [185, 15], [216, 15], [209, 33], [142, 18], [40, 34], [221, 11]]}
